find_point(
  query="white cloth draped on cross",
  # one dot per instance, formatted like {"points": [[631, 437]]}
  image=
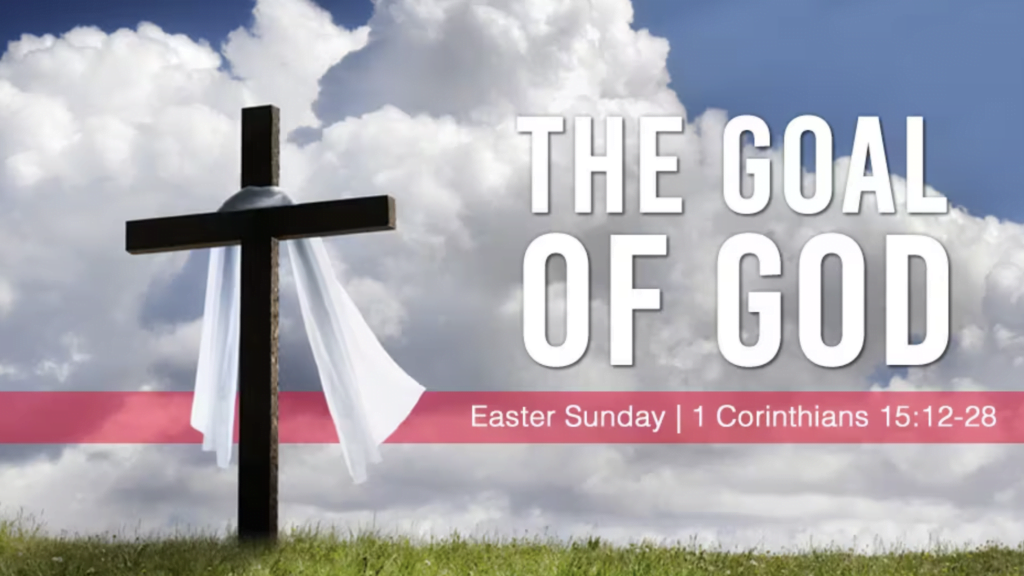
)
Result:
{"points": [[367, 393]]}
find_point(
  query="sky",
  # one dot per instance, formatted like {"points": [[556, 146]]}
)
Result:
{"points": [[960, 69], [417, 99]]}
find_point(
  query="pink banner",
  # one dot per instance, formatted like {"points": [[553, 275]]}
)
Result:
{"points": [[551, 418]]}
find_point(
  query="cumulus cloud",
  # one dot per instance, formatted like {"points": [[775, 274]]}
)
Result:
{"points": [[98, 128]]}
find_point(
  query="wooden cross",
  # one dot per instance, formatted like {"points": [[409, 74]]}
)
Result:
{"points": [[258, 232]]}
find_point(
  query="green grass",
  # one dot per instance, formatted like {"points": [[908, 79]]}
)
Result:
{"points": [[26, 551]]}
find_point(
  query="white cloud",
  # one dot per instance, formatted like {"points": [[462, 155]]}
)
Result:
{"points": [[282, 57], [96, 129]]}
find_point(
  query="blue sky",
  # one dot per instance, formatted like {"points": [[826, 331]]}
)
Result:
{"points": [[961, 68]]}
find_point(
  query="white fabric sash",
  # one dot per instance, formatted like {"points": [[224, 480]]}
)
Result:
{"points": [[367, 393]]}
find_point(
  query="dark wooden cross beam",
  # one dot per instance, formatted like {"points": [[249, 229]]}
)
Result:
{"points": [[258, 232]]}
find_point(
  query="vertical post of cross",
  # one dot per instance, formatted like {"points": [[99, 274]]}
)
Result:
{"points": [[258, 338], [257, 231]]}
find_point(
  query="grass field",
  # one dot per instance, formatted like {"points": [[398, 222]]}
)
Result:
{"points": [[24, 551]]}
